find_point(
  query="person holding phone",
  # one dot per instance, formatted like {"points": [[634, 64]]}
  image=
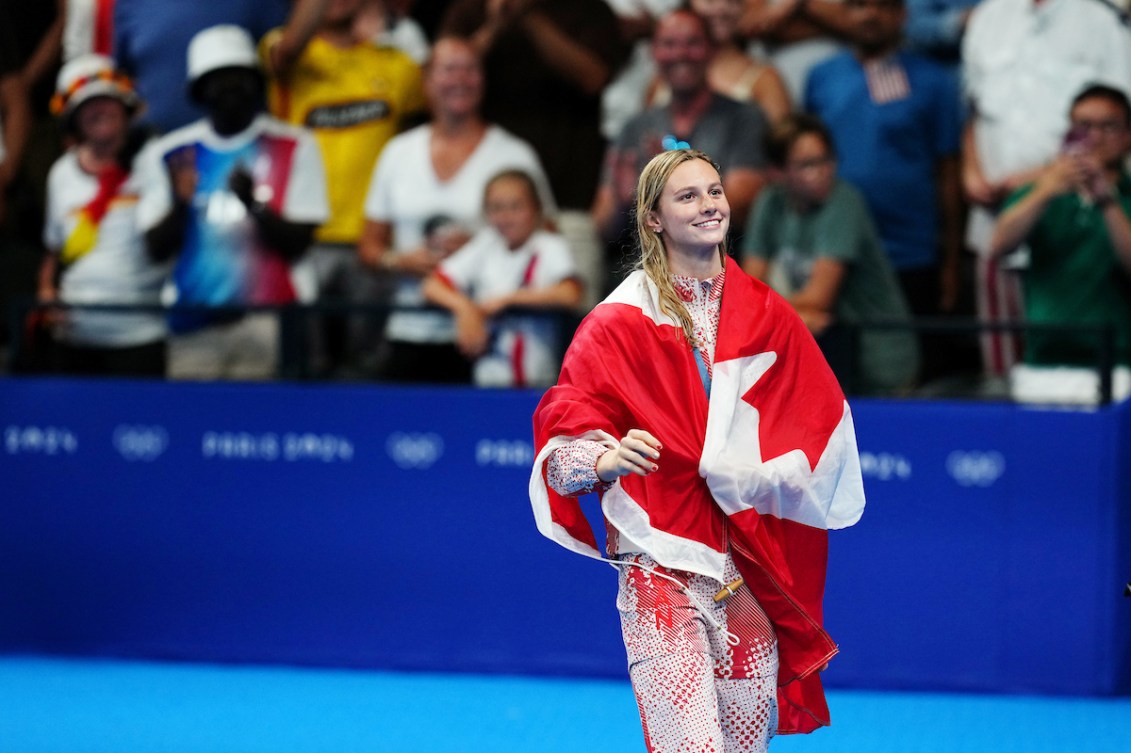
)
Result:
{"points": [[1074, 220]]}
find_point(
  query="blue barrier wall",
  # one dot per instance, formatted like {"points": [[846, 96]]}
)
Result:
{"points": [[386, 527]]}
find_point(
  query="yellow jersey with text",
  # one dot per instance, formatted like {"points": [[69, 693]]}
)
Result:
{"points": [[353, 99]]}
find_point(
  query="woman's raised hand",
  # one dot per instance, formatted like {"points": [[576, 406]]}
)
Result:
{"points": [[637, 453]]}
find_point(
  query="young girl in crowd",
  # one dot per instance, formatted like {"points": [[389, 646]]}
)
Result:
{"points": [[696, 403], [511, 263]]}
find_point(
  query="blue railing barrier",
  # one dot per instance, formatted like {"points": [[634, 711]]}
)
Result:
{"points": [[389, 527], [296, 326]]}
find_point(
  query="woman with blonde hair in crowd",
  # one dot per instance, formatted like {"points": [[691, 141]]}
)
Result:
{"points": [[425, 201]]}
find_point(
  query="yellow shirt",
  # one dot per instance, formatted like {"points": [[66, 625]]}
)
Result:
{"points": [[354, 100]]}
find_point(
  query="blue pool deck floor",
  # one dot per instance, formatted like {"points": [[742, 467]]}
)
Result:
{"points": [[59, 705]]}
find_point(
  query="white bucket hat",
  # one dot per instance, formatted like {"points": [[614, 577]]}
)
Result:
{"points": [[217, 47], [88, 76]]}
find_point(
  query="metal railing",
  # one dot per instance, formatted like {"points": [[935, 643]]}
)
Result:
{"points": [[297, 323]]}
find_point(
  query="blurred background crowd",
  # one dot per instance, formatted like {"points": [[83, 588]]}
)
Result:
{"points": [[436, 191]]}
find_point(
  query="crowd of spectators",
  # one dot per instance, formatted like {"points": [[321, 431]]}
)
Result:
{"points": [[437, 169]]}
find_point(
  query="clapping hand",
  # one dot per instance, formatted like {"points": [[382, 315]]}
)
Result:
{"points": [[242, 185], [183, 174]]}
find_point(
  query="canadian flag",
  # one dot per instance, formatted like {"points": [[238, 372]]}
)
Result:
{"points": [[763, 468]]}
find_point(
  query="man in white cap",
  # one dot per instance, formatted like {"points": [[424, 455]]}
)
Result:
{"points": [[95, 253], [235, 197]]}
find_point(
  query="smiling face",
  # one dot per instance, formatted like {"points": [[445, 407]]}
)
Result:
{"points": [[512, 209], [692, 214], [454, 79], [101, 120], [682, 51]]}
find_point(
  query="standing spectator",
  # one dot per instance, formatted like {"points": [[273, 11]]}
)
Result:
{"points": [[95, 253], [353, 96], [732, 132], [547, 63], [935, 28], [1075, 220], [424, 202], [811, 237], [512, 262], [796, 35], [150, 38], [732, 71], [625, 95], [29, 54], [895, 120], [235, 197], [1022, 61], [386, 23]]}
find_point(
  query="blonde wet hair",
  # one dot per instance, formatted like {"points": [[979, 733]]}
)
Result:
{"points": [[653, 254]]}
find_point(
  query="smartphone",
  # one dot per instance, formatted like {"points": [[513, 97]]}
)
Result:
{"points": [[1077, 141]]}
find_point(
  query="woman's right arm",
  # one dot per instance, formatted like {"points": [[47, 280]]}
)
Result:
{"points": [[582, 466]]}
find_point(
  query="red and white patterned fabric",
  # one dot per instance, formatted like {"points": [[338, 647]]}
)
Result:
{"points": [[572, 469], [762, 470], [695, 689]]}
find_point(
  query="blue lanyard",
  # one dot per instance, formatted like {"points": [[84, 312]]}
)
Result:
{"points": [[704, 375]]}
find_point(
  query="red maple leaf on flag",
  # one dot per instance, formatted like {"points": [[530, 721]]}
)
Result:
{"points": [[799, 404]]}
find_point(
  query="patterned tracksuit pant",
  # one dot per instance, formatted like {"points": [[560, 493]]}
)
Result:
{"points": [[696, 692]]}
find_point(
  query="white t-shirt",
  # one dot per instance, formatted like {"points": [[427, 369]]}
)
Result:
{"points": [[484, 268], [406, 193], [1023, 64], [115, 270], [304, 195]]}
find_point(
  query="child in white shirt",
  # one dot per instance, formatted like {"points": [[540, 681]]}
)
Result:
{"points": [[510, 263]]}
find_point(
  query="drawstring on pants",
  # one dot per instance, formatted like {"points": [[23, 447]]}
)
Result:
{"points": [[728, 590]]}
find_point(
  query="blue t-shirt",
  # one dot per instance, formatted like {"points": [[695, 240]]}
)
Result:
{"points": [[890, 151], [151, 40]]}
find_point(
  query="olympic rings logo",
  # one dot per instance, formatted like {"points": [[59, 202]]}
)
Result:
{"points": [[975, 468], [140, 443], [412, 451]]}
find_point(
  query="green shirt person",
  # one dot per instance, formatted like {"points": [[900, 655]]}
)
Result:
{"points": [[811, 238], [1074, 221]]}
